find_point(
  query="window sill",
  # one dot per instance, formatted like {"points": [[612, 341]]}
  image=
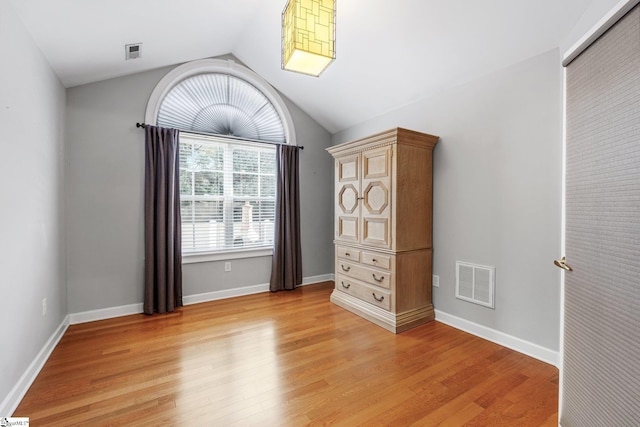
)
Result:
{"points": [[195, 257]]}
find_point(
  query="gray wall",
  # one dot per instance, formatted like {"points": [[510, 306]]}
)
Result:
{"points": [[497, 191], [105, 199], [32, 200]]}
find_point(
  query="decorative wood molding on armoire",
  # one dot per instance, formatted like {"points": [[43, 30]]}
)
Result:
{"points": [[383, 227]]}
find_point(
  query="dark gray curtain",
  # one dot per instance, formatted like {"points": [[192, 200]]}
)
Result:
{"points": [[286, 270], [162, 234]]}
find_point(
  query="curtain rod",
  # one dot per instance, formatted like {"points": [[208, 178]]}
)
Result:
{"points": [[144, 125]]}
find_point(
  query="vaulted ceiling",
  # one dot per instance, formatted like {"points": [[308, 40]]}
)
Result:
{"points": [[389, 53]]}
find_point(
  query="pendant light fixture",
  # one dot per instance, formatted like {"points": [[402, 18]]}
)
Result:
{"points": [[308, 36]]}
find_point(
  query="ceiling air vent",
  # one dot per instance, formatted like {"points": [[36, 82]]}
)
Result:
{"points": [[132, 51]]}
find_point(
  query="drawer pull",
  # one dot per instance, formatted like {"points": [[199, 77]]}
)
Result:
{"points": [[347, 254], [376, 279], [374, 260], [347, 286], [378, 299], [345, 269]]}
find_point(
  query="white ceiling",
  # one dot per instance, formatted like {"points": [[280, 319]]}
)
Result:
{"points": [[389, 53]]}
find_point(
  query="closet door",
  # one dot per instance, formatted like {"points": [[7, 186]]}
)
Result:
{"points": [[601, 351]]}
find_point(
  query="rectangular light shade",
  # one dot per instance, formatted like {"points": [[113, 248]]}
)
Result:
{"points": [[308, 35]]}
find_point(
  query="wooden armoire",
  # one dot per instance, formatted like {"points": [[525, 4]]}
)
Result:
{"points": [[383, 227]]}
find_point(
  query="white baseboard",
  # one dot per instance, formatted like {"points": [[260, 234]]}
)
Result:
{"points": [[317, 279], [530, 349], [125, 310], [227, 293], [11, 402], [247, 290], [105, 313]]}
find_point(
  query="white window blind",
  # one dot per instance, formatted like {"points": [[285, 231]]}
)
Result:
{"points": [[227, 194], [221, 104]]}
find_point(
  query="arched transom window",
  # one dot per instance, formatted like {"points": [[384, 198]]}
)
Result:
{"points": [[221, 104]]}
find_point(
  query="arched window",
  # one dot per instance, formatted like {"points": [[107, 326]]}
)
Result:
{"points": [[221, 104], [229, 120]]}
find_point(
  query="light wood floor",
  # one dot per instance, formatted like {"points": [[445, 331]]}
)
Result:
{"points": [[284, 359]]}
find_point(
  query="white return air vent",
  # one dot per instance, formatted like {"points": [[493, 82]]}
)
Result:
{"points": [[132, 51], [475, 283]]}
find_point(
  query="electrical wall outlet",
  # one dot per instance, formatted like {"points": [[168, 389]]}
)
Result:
{"points": [[44, 306], [436, 281], [227, 266]]}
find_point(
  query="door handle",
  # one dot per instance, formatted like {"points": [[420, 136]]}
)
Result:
{"points": [[562, 263]]}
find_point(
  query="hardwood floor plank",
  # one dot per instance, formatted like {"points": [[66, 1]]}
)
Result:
{"points": [[289, 359], [460, 417]]}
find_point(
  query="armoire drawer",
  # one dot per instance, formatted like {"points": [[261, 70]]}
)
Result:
{"points": [[369, 275], [373, 295], [376, 259], [348, 253]]}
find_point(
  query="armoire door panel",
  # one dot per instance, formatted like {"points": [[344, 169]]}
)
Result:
{"points": [[348, 169], [347, 199], [375, 163], [376, 198], [375, 231], [347, 228]]}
